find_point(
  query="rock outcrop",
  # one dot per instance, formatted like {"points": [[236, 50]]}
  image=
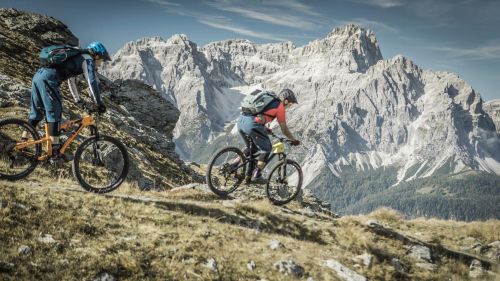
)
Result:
{"points": [[493, 109]]}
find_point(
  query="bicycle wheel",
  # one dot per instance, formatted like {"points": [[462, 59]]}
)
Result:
{"points": [[17, 163], [284, 182], [226, 171], [100, 164]]}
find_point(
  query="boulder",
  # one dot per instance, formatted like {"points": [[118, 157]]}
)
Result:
{"points": [[491, 250], [420, 253], [105, 277], [24, 250], [365, 259], [344, 272], [289, 267], [251, 265], [476, 269], [275, 244], [212, 265]]}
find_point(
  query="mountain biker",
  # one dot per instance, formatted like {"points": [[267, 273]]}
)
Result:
{"points": [[46, 98], [254, 127]]}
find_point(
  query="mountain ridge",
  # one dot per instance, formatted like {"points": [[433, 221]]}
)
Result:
{"points": [[217, 52], [356, 109]]}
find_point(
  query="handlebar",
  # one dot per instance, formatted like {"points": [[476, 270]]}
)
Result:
{"points": [[282, 139]]}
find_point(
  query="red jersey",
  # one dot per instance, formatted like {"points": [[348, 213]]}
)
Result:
{"points": [[277, 112]]}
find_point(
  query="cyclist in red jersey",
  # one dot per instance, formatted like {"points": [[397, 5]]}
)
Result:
{"points": [[254, 127]]}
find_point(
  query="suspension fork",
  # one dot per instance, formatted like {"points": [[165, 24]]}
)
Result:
{"points": [[94, 131], [95, 146], [282, 171], [251, 162]]}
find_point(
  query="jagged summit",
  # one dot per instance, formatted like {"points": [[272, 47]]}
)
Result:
{"points": [[158, 42], [349, 47], [181, 39], [229, 42], [349, 30]]}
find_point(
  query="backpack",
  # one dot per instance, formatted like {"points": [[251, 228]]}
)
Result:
{"points": [[56, 54], [257, 101]]}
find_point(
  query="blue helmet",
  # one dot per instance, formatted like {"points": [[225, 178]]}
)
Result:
{"points": [[97, 48]]}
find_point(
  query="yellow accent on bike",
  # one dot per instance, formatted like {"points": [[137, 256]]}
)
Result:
{"points": [[278, 147]]}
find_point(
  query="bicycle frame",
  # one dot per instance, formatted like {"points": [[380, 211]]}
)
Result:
{"points": [[250, 159], [82, 123]]}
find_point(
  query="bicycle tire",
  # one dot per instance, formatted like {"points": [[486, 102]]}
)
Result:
{"points": [[208, 175], [76, 165], [33, 134], [270, 177]]}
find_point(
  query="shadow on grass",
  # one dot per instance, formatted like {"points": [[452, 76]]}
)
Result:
{"points": [[271, 223]]}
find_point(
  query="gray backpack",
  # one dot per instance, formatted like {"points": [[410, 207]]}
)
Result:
{"points": [[257, 101]]}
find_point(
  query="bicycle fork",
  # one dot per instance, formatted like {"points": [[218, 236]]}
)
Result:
{"points": [[250, 165], [97, 158], [282, 170]]}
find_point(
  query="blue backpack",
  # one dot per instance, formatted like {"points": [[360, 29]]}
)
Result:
{"points": [[56, 54]]}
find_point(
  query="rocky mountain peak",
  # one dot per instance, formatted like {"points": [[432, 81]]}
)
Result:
{"points": [[348, 30], [349, 47], [157, 44], [182, 39], [233, 46], [149, 41]]}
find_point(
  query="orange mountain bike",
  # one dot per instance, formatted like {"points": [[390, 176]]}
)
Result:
{"points": [[100, 163]]}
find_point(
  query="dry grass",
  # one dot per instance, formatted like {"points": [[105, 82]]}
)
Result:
{"points": [[134, 241], [451, 233], [173, 237], [386, 215]]}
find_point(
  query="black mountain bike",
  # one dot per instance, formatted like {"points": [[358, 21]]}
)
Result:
{"points": [[230, 167]]}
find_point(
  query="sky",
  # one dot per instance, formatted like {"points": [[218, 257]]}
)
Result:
{"points": [[459, 36]]}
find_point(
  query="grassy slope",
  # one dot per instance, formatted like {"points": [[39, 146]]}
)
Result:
{"points": [[174, 237]]}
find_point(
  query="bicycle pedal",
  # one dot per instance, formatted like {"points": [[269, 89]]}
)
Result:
{"points": [[60, 160]]}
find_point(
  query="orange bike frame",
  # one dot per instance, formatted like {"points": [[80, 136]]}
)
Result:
{"points": [[84, 122]]}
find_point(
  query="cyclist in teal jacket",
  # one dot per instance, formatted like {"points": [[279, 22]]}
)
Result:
{"points": [[46, 99]]}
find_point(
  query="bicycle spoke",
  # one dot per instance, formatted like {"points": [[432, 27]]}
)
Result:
{"points": [[101, 164], [226, 171], [15, 163], [284, 183]]}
